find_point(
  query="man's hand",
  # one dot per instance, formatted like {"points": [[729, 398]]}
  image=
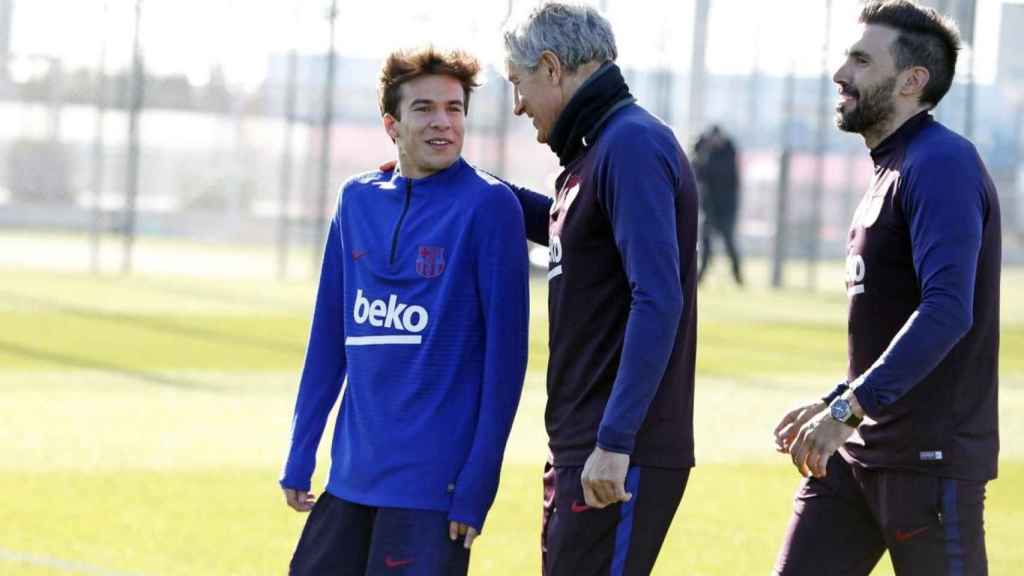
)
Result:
{"points": [[456, 529], [299, 500], [816, 442], [604, 478], [791, 423]]}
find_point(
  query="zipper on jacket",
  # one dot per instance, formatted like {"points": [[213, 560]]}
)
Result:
{"points": [[401, 217]]}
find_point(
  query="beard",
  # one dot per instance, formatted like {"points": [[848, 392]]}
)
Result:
{"points": [[871, 108]]}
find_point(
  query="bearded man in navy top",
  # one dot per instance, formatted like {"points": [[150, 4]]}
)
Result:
{"points": [[423, 306], [622, 233], [897, 457]]}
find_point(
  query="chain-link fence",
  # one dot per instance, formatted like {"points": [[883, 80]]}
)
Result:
{"points": [[231, 147]]}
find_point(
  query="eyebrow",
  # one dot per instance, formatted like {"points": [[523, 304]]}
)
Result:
{"points": [[858, 53], [419, 101]]}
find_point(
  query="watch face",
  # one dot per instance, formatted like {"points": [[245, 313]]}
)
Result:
{"points": [[840, 410]]}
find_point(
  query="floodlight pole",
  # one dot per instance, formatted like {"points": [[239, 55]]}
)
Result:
{"points": [[97, 148], [969, 97], [1017, 194], [820, 150], [132, 171], [504, 108], [698, 65], [285, 183], [325, 146], [754, 84], [782, 199]]}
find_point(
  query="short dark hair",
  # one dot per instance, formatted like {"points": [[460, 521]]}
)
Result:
{"points": [[405, 65], [926, 38]]}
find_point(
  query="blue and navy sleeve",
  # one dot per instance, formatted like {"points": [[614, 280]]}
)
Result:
{"points": [[324, 368], [536, 211], [502, 280], [944, 203], [637, 182]]}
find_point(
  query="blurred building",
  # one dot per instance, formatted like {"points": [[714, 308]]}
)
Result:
{"points": [[212, 153], [6, 13], [1010, 79], [1010, 69], [961, 11]]}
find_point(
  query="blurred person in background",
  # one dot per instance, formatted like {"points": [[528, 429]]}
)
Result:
{"points": [[622, 235], [898, 456], [423, 305], [718, 178]]}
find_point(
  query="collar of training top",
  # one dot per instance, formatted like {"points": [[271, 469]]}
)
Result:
{"points": [[902, 134], [600, 95], [440, 177]]}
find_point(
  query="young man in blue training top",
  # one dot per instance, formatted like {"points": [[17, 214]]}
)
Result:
{"points": [[423, 305], [900, 459], [622, 234]]}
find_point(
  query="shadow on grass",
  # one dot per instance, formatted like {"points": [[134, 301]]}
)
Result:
{"points": [[249, 300], [152, 324], [67, 361]]}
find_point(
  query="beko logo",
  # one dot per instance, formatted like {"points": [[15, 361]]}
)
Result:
{"points": [[856, 270], [390, 314], [555, 258]]}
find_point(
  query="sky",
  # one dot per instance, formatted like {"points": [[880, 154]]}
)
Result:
{"points": [[191, 36]]}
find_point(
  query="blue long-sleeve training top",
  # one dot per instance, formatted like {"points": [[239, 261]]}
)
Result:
{"points": [[423, 304]]}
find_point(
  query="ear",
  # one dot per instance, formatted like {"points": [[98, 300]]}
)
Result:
{"points": [[390, 126], [550, 67], [916, 78]]}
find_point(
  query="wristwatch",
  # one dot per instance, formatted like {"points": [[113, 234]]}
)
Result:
{"points": [[842, 412]]}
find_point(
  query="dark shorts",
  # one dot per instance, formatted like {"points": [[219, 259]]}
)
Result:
{"points": [[621, 539], [344, 538], [843, 523]]}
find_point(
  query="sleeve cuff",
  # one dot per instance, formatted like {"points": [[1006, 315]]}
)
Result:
{"points": [[618, 442], [292, 484], [836, 393], [474, 495], [868, 400], [297, 474], [468, 514]]}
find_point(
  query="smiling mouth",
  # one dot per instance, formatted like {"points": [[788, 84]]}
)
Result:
{"points": [[439, 142]]}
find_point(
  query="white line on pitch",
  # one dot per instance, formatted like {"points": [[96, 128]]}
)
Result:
{"points": [[58, 564]]}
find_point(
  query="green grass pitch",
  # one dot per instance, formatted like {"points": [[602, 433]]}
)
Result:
{"points": [[143, 421]]}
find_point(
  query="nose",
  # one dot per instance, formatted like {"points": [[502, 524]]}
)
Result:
{"points": [[517, 103], [840, 76], [439, 120]]}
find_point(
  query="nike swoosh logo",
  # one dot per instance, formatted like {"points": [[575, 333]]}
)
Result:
{"points": [[902, 536], [578, 507], [357, 254], [392, 563]]}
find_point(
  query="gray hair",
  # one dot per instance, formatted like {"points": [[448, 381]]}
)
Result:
{"points": [[576, 33]]}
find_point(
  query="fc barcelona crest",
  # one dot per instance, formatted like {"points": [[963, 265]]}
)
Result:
{"points": [[430, 261]]}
